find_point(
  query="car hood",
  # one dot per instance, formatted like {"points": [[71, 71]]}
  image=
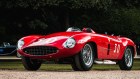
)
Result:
{"points": [[58, 38], [66, 34]]}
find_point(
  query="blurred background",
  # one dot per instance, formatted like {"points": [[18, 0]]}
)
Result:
{"points": [[19, 18]]}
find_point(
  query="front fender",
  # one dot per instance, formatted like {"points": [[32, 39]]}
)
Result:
{"points": [[29, 39], [81, 40], [127, 43]]}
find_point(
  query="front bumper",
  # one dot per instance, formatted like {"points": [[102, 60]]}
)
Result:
{"points": [[61, 53]]}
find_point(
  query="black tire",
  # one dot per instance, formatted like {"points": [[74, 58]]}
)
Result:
{"points": [[82, 62], [31, 64], [126, 62]]}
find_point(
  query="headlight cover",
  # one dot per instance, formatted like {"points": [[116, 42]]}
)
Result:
{"points": [[69, 43], [20, 44]]}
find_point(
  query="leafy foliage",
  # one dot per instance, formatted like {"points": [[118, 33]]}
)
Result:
{"points": [[62, 3], [127, 3], [47, 16]]}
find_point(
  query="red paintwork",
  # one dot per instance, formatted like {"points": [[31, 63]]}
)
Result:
{"points": [[117, 44]]}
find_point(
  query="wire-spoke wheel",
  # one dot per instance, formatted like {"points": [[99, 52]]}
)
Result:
{"points": [[128, 57], [84, 60], [127, 61], [87, 55]]}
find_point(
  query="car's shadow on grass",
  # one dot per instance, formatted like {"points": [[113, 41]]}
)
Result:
{"points": [[45, 67]]}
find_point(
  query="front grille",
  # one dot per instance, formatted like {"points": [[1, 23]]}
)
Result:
{"points": [[40, 50]]}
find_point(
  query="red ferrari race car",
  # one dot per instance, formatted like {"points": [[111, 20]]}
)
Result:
{"points": [[80, 48]]}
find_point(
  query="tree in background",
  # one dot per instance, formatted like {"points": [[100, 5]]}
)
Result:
{"points": [[47, 16]]}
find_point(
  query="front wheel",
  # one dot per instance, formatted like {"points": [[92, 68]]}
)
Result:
{"points": [[31, 64], [127, 61], [84, 60]]}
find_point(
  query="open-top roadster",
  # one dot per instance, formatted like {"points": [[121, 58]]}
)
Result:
{"points": [[80, 48], [6, 49]]}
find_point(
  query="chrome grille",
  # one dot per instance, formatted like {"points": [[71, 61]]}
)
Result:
{"points": [[40, 50]]}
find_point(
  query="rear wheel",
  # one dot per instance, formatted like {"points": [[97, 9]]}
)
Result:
{"points": [[31, 64], [84, 60], [127, 61]]}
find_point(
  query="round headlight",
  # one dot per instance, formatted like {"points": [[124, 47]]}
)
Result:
{"points": [[20, 44], [69, 43]]}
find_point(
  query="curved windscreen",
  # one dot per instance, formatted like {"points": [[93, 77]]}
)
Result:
{"points": [[73, 29]]}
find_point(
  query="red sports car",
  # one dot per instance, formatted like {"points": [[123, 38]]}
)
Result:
{"points": [[80, 48]]}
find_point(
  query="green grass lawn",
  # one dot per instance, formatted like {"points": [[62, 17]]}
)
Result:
{"points": [[62, 67]]}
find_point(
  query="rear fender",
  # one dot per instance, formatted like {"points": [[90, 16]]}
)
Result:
{"points": [[127, 43]]}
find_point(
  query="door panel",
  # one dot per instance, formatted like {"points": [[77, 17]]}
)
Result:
{"points": [[115, 45], [102, 46]]}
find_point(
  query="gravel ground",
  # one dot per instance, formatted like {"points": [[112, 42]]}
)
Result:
{"points": [[110, 74]]}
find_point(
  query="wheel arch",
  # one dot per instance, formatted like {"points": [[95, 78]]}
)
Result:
{"points": [[95, 47], [128, 43], [133, 49]]}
